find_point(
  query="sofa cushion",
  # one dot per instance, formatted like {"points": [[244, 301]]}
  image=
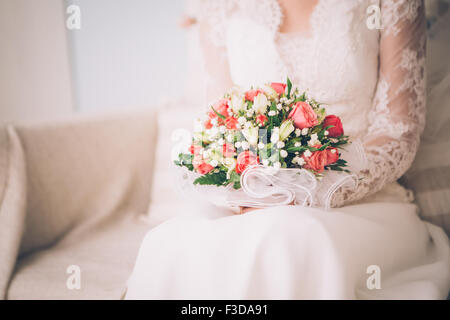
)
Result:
{"points": [[84, 168], [105, 254], [12, 202], [429, 175]]}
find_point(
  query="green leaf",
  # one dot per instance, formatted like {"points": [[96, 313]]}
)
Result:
{"points": [[235, 179], [213, 178], [297, 149], [218, 114], [289, 87], [184, 160]]}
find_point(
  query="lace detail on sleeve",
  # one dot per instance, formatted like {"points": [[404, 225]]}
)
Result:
{"points": [[397, 117], [215, 13]]}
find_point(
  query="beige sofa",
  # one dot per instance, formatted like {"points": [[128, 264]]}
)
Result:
{"points": [[73, 192], [79, 192]]}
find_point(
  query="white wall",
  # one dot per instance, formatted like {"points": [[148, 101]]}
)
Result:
{"points": [[35, 77], [128, 53]]}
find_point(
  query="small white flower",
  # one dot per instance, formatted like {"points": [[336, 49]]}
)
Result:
{"points": [[279, 106], [275, 137], [298, 132], [214, 163], [249, 113], [297, 144], [326, 132], [304, 131], [272, 113], [297, 153], [205, 154], [220, 142], [280, 144], [222, 129], [241, 120], [245, 145], [261, 145], [213, 132], [277, 165], [283, 153], [238, 144], [307, 153], [299, 161], [314, 136], [237, 103], [230, 138], [265, 162]]}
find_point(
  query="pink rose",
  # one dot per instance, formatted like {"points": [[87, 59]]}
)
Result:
{"points": [[278, 87], [201, 166], [221, 107], [204, 168], [319, 159], [208, 124], [251, 94], [245, 159], [261, 119], [195, 150], [332, 155], [231, 123], [336, 130], [228, 150], [303, 115], [316, 162]]}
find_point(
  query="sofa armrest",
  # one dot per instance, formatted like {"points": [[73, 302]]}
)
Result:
{"points": [[85, 168]]}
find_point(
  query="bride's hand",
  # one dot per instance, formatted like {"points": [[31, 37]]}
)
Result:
{"points": [[243, 210]]}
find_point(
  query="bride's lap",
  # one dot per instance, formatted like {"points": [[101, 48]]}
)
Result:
{"points": [[278, 247], [365, 222]]}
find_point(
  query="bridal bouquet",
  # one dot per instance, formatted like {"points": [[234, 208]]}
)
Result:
{"points": [[271, 126], [268, 146]]}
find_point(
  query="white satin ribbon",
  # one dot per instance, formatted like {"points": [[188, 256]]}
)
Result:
{"points": [[264, 187]]}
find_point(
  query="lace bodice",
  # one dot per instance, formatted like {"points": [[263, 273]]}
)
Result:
{"points": [[374, 79]]}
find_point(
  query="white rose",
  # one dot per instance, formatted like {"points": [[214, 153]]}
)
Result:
{"points": [[241, 120], [280, 144], [251, 134], [270, 91], [260, 103], [214, 163], [237, 103], [299, 161]]}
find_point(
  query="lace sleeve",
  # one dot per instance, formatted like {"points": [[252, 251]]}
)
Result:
{"points": [[212, 21], [398, 114]]}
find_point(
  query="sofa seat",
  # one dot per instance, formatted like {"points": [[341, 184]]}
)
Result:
{"points": [[105, 254]]}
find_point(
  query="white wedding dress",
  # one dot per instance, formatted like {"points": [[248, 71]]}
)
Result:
{"points": [[371, 244]]}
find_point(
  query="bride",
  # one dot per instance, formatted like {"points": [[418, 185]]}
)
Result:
{"points": [[365, 59]]}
